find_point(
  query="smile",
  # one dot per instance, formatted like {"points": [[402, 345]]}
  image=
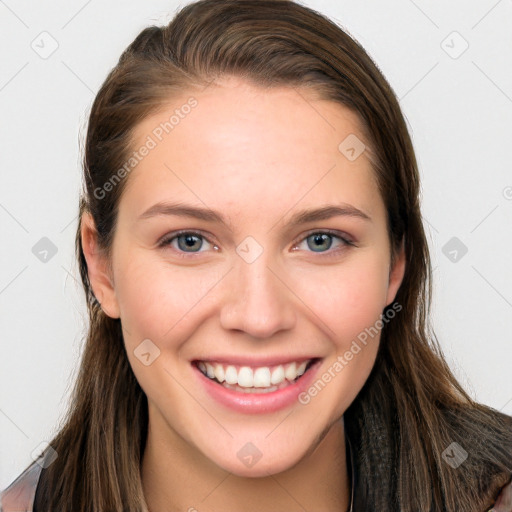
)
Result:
{"points": [[247, 379], [255, 388]]}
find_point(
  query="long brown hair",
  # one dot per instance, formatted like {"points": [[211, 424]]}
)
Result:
{"points": [[411, 408]]}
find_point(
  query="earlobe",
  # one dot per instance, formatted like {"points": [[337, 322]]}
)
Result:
{"points": [[97, 268], [396, 274]]}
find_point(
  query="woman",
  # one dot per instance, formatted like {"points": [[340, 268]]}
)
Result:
{"points": [[232, 362]]}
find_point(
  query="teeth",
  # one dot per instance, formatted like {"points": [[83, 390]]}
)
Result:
{"points": [[302, 368], [291, 372], [210, 371], [261, 378], [277, 375], [231, 375], [247, 377], [219, 372]]}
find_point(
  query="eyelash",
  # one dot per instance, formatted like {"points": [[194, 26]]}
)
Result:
{"points": [[167, 240]]}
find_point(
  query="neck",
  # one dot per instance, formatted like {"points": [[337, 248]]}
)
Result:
{"points": [[177, 477]]}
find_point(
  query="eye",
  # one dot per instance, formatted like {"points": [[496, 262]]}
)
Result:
{"points": [[321, 241], [186, 242], [190, 242]]}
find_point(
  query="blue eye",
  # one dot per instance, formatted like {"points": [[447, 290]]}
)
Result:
{"points": [[322, 240], [185, 240], [189, 243]]}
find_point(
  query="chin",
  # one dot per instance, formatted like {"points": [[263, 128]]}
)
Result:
{"points": [[254, 460]]}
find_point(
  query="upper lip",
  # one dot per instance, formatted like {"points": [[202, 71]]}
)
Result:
{"points": [[256, 361]]}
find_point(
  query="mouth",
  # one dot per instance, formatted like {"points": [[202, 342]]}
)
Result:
{"points": [[255, 379]]}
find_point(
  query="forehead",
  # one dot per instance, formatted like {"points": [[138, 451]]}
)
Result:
{"points": [[238, 142]]}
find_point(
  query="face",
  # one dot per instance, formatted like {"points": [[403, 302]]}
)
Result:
{"points": [[256, 293]]}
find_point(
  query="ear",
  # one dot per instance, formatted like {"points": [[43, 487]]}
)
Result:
{"points": [[396, 274], [97, 268]]}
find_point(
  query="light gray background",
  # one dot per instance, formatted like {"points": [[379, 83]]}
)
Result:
{"points": [[459, 110]]}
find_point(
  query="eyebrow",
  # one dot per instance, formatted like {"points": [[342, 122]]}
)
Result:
{"points": [[301, 217]]}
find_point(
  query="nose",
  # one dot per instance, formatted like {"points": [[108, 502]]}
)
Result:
{"points": [[257, 299]]}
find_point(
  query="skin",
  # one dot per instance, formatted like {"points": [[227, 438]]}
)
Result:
{"points": [[257, 156]]}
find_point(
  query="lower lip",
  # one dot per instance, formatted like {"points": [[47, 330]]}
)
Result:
{"points": [[256, 403]]}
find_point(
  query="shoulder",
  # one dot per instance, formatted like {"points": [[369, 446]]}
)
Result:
{"points": [[19, 495], [503, 502]]}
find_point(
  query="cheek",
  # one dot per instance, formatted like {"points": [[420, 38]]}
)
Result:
{"points": [[156, 299], [156, 303], [350, 302], [347, 298]]}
